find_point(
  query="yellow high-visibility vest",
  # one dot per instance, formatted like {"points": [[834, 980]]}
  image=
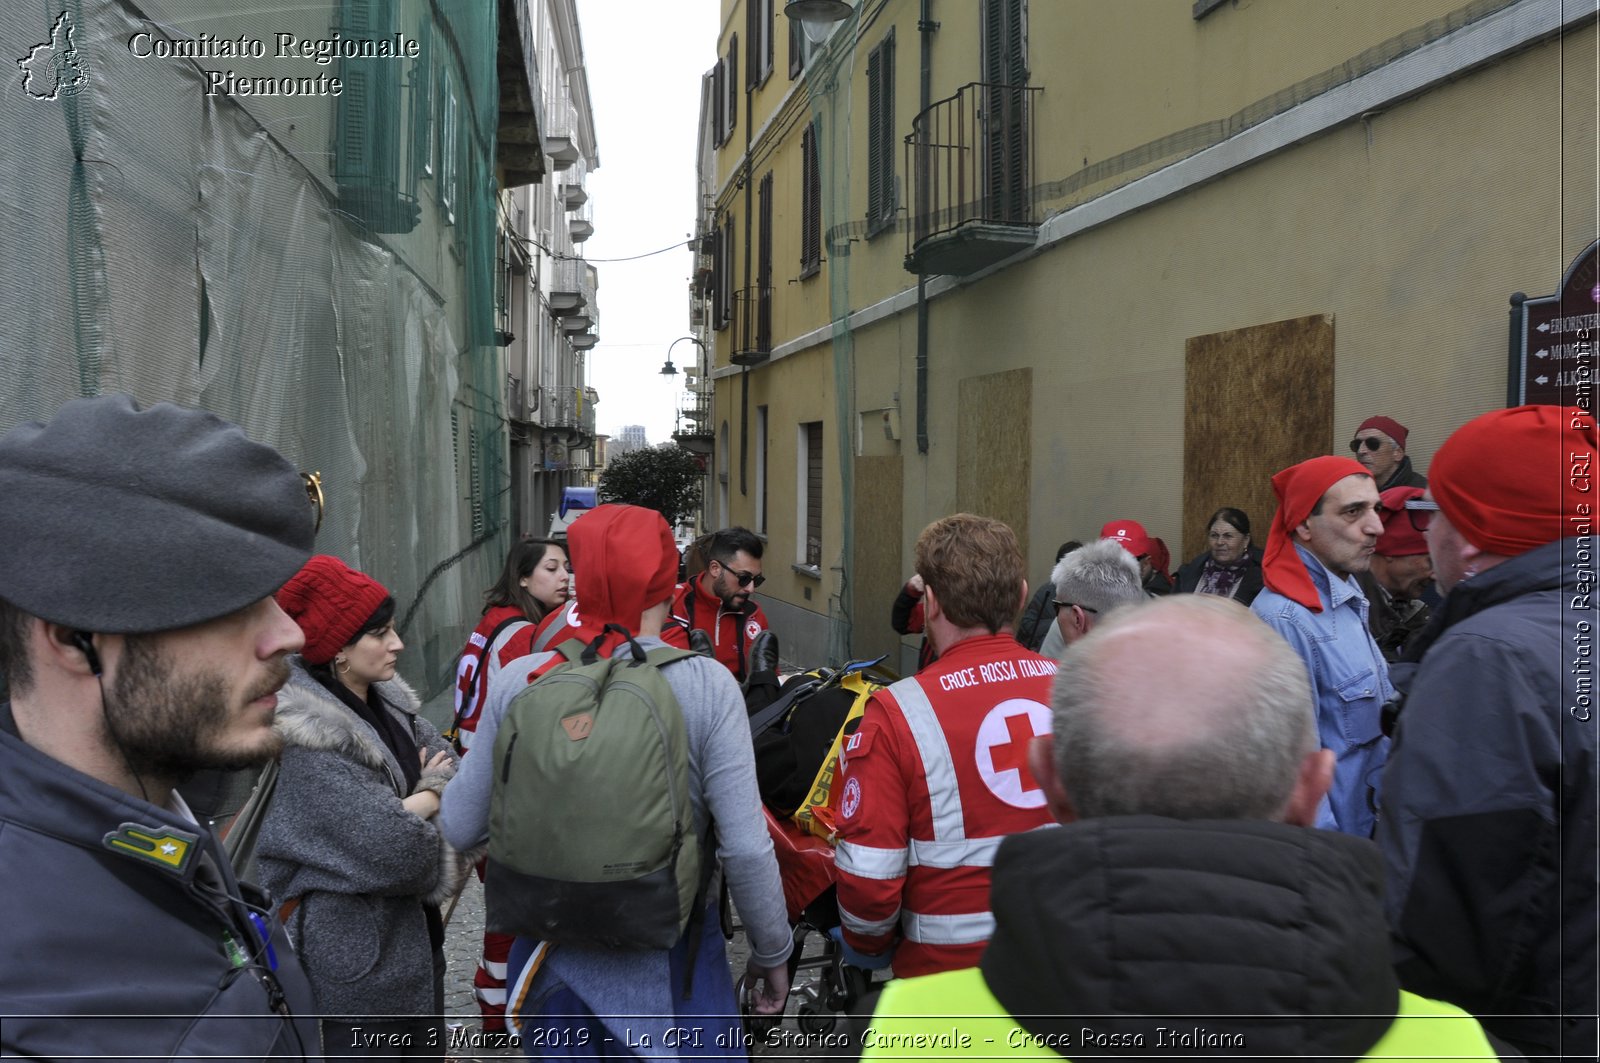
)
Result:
{"points": [[952, 1015]]}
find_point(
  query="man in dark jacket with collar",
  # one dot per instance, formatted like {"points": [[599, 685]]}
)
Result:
{"points": [[139, 550], [1380, 445], [1488, 814], [1185, 907]]}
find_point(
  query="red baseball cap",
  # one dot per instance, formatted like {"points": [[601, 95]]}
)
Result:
{"points": [[1130, 533]]}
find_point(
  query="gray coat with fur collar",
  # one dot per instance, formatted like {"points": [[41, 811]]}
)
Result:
{"points": [[338, 838]]}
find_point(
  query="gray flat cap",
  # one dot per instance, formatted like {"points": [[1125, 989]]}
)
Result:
{"points": [[125, 521]]}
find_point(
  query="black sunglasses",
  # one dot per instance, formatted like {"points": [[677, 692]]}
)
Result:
{"points": [[1419, 511], [1068, 605], [1371, 443], [745, 579]]}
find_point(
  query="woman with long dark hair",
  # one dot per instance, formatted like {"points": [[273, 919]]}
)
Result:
{"points": [[350, 846]]}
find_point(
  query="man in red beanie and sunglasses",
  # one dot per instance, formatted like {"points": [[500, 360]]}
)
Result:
{"points": [[1488, 826], [1323, 535], [1401, 574], [1380, 446]]}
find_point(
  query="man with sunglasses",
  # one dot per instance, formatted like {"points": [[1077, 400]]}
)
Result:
{"points": [[718, 601], [1488, 822], [1401, 574], [1087, 584], [1380, 446]]}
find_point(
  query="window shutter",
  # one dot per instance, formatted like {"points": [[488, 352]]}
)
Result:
{"points": [[797, 57], [880, 134], [814, 494], [752, 30], [422, 102], [732, 82], [764, 267], [766, 38], [810, 202], [716, 104]]}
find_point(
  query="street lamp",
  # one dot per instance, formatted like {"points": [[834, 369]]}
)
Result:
{"points": [[671, 370], [817, 13]]}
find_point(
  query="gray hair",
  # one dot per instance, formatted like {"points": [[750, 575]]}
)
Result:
{"points": [[1100, 576], [1187, 707]]}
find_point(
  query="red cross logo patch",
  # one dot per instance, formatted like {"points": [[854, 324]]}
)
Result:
{"points": [[1002, 751]]}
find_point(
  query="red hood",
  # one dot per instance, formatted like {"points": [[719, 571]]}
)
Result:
{"points": [[625, 561]]}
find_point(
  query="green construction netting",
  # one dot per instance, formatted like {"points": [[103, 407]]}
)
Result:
{"points": [[319, 269]]}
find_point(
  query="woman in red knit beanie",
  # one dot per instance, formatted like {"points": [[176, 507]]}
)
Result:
{"points": [[350, 847]]}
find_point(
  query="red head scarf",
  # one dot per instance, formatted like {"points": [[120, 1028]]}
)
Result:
{"points": [[1299, 488], [1513, 480]]}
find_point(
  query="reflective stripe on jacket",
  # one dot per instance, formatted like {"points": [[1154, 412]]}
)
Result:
{"points": [[932, 780]]}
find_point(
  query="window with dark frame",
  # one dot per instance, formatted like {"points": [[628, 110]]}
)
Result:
{"points": [[810, 203], [813, 514], [725, 278], [758, 32], [731, 82], [880, 136]]}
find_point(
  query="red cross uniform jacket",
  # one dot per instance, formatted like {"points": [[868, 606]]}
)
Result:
{"points": [[731, 632], [480, 661], [933, 779]]}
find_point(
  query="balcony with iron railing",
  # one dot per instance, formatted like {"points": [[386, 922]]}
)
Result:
{"points": [[583, 328], [693, 430], [570, 288], [751, 326], [970, 157], [580, 222], [561, 130], [572, 190]]}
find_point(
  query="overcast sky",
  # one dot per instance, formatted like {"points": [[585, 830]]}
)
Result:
{"points": [[644, 61]]}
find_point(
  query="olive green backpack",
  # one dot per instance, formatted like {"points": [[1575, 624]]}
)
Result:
{"points": [[591, 834]]}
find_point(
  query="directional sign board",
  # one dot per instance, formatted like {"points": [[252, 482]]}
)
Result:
{"points": [[1553, 339]]}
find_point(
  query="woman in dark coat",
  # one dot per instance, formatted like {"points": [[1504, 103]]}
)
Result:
{"points": [[1230, 566]]}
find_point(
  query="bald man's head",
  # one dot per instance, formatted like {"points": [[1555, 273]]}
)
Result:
{"points": [[1188, 707]]}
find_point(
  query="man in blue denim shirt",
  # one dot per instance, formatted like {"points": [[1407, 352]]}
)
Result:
{"points": [[1324, 532]]}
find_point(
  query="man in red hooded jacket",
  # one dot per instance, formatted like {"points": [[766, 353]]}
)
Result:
{"points": [[718, 600]]}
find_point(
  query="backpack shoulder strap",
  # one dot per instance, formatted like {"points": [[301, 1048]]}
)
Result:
{"points": [[477, 671], [665, 655]]}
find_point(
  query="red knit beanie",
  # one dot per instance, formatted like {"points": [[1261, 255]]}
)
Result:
{"points": [[331, 602], [1515, 479], [1388, 426], [1299, 488], [1400, 537]]}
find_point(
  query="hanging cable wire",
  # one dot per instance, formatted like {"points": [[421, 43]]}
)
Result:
{"points": [[525, 241]]}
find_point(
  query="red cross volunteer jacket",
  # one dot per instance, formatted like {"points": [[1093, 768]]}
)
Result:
{"points": [[933, 779], [731, 632]]}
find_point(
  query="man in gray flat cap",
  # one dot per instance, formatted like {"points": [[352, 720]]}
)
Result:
{"points": [[139, 550]]}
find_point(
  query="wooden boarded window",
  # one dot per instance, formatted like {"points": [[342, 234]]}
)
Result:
{"points": [[1230, 447], [880, 136], [810, 203], [811, 512]]}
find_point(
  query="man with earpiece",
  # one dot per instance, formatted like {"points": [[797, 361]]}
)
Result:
{"points": [[140, 643]]}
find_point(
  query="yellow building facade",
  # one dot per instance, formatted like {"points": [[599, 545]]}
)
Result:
{"points": [[1164, 248]]}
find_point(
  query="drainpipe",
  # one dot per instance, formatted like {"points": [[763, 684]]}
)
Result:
{"points": [[926, 28], [749, 244]]}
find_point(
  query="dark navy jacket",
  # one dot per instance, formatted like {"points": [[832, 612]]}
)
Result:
{"points": [[1487, 818], [126, 933]]}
